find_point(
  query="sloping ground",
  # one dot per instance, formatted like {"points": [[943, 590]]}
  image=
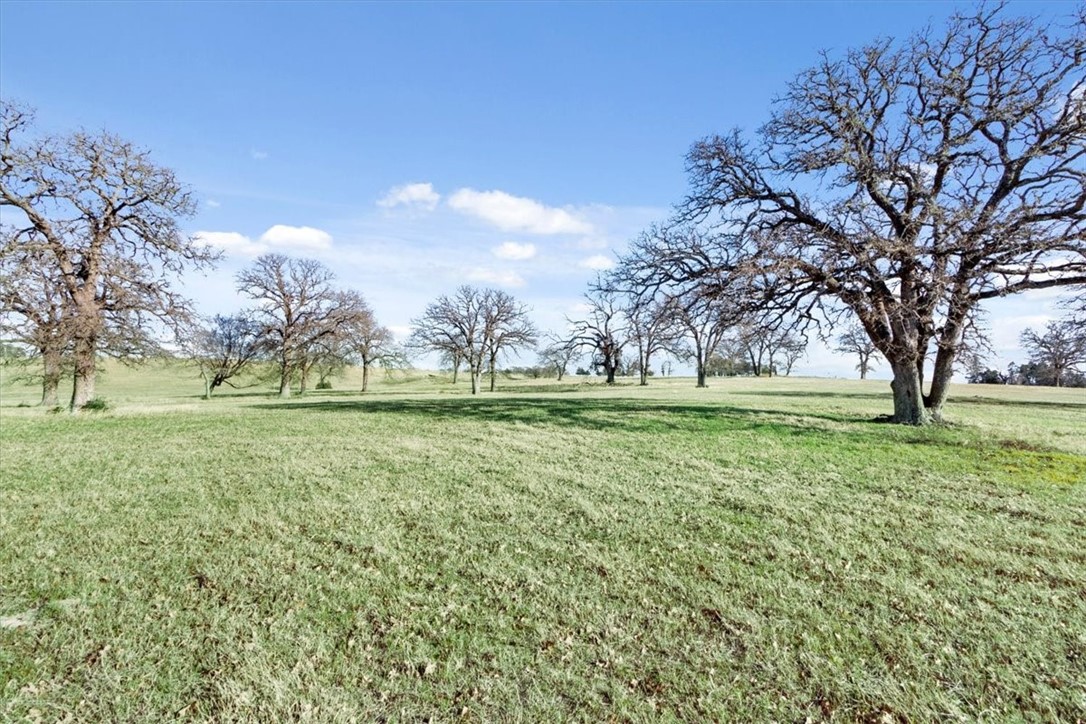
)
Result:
{"points": [[757, 551]]}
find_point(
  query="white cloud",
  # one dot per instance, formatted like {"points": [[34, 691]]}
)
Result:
{"points": [[230, 242], [515, 213], [514, 251], [501, 277], [417, 195], [258, 155], [287, 239], [212, 204], [599, 262], [297, 238]]}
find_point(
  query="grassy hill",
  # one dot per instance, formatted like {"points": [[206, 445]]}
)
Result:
{"points": [[759, 550]]}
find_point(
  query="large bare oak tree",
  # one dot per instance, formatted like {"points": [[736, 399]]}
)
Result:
{"points": [[105, 217], [908, 183]]}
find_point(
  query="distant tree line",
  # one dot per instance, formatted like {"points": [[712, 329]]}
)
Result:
{"points": [[1057, 358]]}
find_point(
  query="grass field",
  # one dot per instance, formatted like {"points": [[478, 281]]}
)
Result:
{"points": [[756, 551]]}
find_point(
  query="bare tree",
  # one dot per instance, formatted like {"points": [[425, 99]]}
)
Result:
{"points": [[603, 331], [854, 340], [105, 216], [787, 344], [33, 310], [506, 328], [704, 320], [558, 355], [296, 305], [910, 182], [1062, 348], [750, 340], [653, 328], [223, 347], [455, 327], [368, 341]]}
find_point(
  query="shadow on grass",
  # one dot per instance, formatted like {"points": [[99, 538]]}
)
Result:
{"points": [[953, 400], [615, 413]]}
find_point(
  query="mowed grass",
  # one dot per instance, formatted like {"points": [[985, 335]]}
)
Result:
{"points": [[756, 551]]}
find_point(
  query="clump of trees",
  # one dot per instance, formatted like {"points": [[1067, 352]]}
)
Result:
{"points": [[475, 327], [1057, 358]]}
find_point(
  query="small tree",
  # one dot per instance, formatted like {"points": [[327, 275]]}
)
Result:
{"points": [[603, 331], [223, 347], [506, 327], [653, 329], [558, 356], [1061, 349], [854, 340]]}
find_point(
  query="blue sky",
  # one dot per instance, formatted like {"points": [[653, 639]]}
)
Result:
{"points": [[413, 147]]}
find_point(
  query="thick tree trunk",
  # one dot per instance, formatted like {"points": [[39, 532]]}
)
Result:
{"points": [[701, 376], [284, 375], [85, 371], [303, 380], [456, 371], [561, 373], [50, 380], [908, 395], [644, 375], [610, 370], [493, 372], [365, 376]]}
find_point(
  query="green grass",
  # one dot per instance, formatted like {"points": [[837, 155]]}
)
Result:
{"points": [[756, 551]]}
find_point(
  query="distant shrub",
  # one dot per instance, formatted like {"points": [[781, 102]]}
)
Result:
{"points": [[98, 404], [55, 410], [325, 385]]}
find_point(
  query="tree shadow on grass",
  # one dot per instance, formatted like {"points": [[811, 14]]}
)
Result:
{"points": [[952, 400], [612, 413]]}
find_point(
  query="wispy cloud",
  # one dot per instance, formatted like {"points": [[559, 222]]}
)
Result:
{"points": [[418, 195], [513, 251], [599, 262], [501, 277], [516, 213], [258, 155], [212, 203], [231, 242]]}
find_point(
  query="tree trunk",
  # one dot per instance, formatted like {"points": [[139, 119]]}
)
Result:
{"points": [[85, 370], [561, 372], [207, 383], [863, 367], [303, 380], [284, 375], [493, 371], [476, 372], [365, 376], [644, 374], [908, 395], [456, 371], [701, 376], [610, 369], [50, 380]]}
